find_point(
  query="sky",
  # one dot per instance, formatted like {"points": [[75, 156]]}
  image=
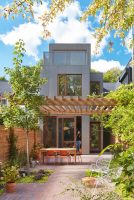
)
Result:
{"points": [[66, 28]]}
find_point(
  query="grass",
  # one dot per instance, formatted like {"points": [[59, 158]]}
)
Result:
{"points": [[1, 186], [1, 191], [31, 178]]}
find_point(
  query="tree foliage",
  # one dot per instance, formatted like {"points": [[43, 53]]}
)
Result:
{"points": [[2, 78], [112, 75], [25, 101], [116, 15], [121, 121], [122, 116], [15, 7]]}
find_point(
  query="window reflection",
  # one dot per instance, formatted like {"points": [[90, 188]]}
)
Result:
{"points": [[69, 58], [95, 87], [77, 57], [59, 57], [70, 85]]}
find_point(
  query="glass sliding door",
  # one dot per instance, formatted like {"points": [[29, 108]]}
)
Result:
{"points": [[49, 135], [66, 132], [95, 137]]}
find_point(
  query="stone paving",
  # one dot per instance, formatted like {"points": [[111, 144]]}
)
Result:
{"points": [[52, 189]]}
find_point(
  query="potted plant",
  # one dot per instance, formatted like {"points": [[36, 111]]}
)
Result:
{"points": [[90, 179], [10, 174]]}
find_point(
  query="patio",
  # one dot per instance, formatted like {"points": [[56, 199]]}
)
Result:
{"points": [[56, 184]]}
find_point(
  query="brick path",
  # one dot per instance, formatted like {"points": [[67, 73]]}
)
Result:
{"points": [[52, 189], [56, 184]]}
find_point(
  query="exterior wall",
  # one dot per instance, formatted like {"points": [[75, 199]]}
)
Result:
{"points": [[21, 143], [51, 70], [85, 135]]}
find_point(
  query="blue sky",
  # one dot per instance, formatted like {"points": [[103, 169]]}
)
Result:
{"points": [[66, 28]]}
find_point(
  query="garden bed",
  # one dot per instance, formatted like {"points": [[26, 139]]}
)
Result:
{"points": [[40, 176]]}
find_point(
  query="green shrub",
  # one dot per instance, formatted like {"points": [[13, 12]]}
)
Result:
{"points": [[12, 149], [90, 173], [10, 173]]}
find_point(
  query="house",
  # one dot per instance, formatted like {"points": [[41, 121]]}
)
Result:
{"points": [[67, 108], [126, 77], [4, 87], [68, 70]]}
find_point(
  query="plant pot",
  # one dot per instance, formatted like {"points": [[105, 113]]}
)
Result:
{"points": [[10, 187], [89, 181]]}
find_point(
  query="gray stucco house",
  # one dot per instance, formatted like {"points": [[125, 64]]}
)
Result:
{"points": [[70, 80], [68, 70]]}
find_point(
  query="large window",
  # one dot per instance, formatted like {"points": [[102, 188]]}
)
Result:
{"points": [[95, 87], [69, 58], [77, 57], [70, 85], [49, 136], [60, 58]]}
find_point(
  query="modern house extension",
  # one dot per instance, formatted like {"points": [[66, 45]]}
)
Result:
{"points": [[68, 110]]}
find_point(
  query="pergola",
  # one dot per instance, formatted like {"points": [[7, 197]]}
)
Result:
{"points": [[77, 106]]}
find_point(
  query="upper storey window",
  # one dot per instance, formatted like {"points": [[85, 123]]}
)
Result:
{"points": [[95, 87], [77, 57], [70, 85], [60, 57], [69, 58]]}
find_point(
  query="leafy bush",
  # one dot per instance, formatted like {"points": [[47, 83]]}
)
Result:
{"points": [[12, 150], [21, 159], [90, 173], [126, 180], [10, 173], [38, 176]]}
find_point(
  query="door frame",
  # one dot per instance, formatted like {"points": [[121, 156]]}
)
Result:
{"points": [[57, 129]]}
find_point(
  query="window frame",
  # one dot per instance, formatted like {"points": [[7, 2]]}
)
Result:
{"points": [[58, 91], [98, 82]]}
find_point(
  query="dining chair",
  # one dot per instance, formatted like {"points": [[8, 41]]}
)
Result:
{"points": [[65, 155], [54, 155]]}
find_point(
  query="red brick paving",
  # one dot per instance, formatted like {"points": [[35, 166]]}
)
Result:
{"points": [[52, 189], [56, 184]]}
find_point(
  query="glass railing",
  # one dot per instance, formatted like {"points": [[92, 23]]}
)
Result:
{"points": [[65, 58]]}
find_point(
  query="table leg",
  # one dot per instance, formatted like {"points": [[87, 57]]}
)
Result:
{"points": [[75, 156]]}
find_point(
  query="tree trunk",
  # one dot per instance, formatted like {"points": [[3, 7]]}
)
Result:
{"points": [[27, 150]]}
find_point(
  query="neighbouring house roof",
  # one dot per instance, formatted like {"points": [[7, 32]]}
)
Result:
{"points": [[126, 75], [107, 87], [77, 106], [4, 87]]}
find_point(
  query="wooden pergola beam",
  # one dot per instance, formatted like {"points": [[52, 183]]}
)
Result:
{"points": [[77, 105]]}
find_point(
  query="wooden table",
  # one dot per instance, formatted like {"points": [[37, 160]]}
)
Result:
{"points": [[72, 151]]}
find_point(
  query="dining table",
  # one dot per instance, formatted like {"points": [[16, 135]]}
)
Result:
{"points": [[45, 151]]}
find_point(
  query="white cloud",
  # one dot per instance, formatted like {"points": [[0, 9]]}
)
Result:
{"points": [[66, 28], [29, 32], [104, 65], [128, 42]]}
